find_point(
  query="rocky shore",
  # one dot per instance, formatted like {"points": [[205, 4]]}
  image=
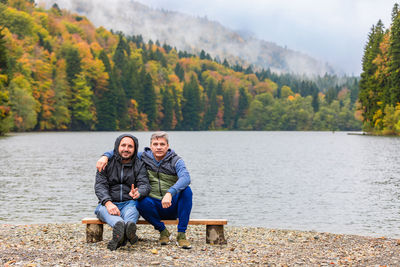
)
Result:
{"points": [[65, 245]]}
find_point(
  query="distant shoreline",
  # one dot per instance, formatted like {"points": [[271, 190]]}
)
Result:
{"points": [[373, 134], [65, 245]]}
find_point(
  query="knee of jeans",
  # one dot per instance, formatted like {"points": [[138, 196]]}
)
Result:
{"points": [[131, 211], [97, 210], [187, 193], [141, 204]]}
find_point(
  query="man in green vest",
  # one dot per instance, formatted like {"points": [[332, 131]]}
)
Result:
{"points": [[170, 196]]}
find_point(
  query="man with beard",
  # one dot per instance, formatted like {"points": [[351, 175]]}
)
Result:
{"points": [[123, 181]]}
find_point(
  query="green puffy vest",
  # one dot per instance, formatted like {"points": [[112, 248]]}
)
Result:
{"points": [[161, 177]]}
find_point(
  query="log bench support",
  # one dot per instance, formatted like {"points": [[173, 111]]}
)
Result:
{"points": [[214, 229]]}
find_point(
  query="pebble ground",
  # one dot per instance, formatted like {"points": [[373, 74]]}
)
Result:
{"points": [[65, 245]]}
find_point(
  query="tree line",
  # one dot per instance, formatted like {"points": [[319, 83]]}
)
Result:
{"points": [[380, 79], [59, 72]]}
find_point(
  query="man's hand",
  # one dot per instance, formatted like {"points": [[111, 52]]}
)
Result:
{"points": [[101, 163], [166, 201], [134, 193], [112, 209]]}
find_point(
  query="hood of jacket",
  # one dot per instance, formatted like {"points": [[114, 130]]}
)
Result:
{"points": [[118, 141]]}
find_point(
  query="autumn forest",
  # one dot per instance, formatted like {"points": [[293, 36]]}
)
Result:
{"points": [[60, 72]]}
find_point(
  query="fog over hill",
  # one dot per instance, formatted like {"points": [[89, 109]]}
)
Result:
{"points": [[192, 34]]}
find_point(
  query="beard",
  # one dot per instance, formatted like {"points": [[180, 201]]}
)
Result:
{"points": [[126, 158]]}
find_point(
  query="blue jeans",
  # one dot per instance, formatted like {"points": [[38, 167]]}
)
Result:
{"points": [[128, 210], [153, 212]]}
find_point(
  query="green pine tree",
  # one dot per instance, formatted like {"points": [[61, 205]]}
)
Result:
{"points": [[368, 90], [315, 101], [168, 109], [179, 71], [73, 60], [244, 102], [228, 107], [149, 101], [191, 105], [106, 104], [394, 64], [211, 108]]}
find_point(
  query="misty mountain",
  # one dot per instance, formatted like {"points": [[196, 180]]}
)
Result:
{"points": [[193, 34]]}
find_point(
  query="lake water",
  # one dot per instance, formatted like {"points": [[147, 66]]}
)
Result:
{"points": [[323, 181]]}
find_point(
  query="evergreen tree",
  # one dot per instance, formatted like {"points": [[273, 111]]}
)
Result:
{"points": [[5, 109], [354, 92], [226, 63], [179, 71], [279, 92], [249, 70], [149, 101], [106, 104], [315, 101], [368, 93], [238, 68], [55, 8], [228, 107], [202, 54], [123, 68], [168, 109], [177, 109], [330, 95], [132, 82], [244, 102], [211, 108], [395, 12], [73, 60], [394, 65], [167, 48], [123, 121], [191, 105], [4, 63], [220, 89], [120, 54]]}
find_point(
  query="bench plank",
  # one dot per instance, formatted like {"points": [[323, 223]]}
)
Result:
{"points": [[214, 229], [142, 221]]}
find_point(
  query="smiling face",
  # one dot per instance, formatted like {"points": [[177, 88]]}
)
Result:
{"points": [[159, 147], [126, 148]]}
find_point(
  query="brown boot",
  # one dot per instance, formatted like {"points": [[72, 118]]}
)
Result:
{"points": [[164, 237], [182, 242]]}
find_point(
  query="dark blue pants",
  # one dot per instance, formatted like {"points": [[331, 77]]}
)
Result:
{"points": [[153, 212]]}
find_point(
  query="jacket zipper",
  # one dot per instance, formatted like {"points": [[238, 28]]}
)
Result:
{"points": [[159, 181], [120, 186]]}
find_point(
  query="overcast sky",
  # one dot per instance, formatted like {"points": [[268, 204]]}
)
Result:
{"points": [[331, 30]]}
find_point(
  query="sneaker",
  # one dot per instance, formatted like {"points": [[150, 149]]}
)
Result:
{"points": [[164, 237], [182, 242], [118, 236], [130, 231]]}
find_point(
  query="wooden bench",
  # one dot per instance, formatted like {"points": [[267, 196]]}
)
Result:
{"points": [[214, 229]]}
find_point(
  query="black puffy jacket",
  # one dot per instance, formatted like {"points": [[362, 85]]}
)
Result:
{"points": [[115, 181]]}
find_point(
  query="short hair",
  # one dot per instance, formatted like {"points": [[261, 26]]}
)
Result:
{"points": [[157, 135]]}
